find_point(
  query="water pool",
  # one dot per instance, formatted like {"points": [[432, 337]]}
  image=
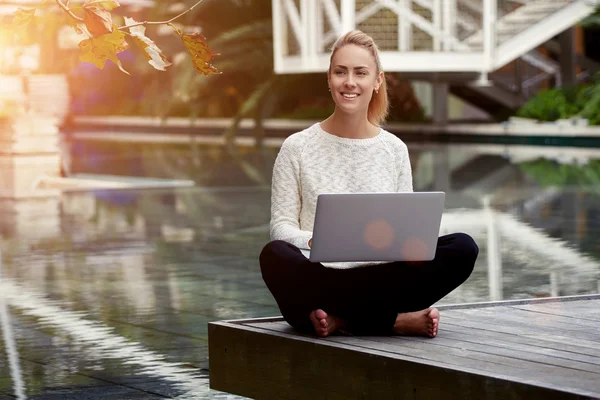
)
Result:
{"points": [[107, 294]]}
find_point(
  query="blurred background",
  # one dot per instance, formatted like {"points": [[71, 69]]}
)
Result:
{"points": [[133, 207]]}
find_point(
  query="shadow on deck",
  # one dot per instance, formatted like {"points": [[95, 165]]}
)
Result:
{"points": [[546, 348]]}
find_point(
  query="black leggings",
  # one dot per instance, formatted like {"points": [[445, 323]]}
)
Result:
{"points": [[368, 298]]}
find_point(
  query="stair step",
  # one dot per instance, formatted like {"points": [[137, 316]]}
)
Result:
{"points": [[514, 27], [519, 20], [530, 15], [524, 17]]}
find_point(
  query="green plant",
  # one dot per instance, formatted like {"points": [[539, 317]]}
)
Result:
{"points": [[561, 103], [549, 173], [590, 103], [547, 105]]}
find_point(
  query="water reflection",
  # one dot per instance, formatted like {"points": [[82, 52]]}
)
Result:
{"points": [[93, 340], [12, 353], [533, 211], [109, 292]]}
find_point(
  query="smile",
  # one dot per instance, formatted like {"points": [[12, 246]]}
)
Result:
{"points": [[350, 95]]}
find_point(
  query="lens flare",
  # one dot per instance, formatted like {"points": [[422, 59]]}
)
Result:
{"points": [[379, 234], [414, 249]]}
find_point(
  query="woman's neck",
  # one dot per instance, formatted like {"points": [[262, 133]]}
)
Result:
{"points": [[349, 126]]}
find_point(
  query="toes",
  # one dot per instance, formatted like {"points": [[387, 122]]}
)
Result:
{"points": [[319, 324], [433, 332]]}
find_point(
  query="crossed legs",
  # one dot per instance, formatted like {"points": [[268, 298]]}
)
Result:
{"points": [[378, 299]]}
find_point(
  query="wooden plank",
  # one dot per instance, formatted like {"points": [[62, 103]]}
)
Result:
{"points": [[544, 300], [278, 326], [580, 311], [574, 350], [546, 349], [591, 306], [522, 356], [269, 365], [451, 358], [590, 345], [585, 310], [513, 316], [465, 354], [537, 354], [557, 348], [563, 316], [515, 327], [539, 368], [573, 313]]}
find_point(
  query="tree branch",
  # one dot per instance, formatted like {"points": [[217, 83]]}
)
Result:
{"points": [[160, 22], [68, 11]]}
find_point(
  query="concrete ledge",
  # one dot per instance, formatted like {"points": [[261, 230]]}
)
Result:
{"points": [[87, 182], [287, 126]]}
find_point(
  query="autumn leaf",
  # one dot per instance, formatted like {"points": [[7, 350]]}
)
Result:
{"points": [[23, 18], [153, 54], [79, 28], [198, 48], [97, 18], [105, 47]]}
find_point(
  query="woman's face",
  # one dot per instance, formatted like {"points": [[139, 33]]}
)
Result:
{"points": [[352, 78]]}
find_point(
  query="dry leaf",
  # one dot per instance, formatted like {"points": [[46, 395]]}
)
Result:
{"points": [[78, 27], [23, 18], [97, 18], [201, 54], [153, 54], [101, 48]]}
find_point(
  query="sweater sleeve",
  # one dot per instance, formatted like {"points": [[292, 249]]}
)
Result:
{"points": [[286, 199], [405, 181]]}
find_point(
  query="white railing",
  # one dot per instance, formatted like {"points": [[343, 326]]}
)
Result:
{"points": [[305, 29], [416, 35]]}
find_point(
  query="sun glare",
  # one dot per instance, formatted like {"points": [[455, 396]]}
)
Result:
{"points": [[15, 59], [4, 49]]}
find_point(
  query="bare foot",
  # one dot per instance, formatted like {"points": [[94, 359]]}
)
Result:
{"points": [[421, 323], [325, 324]]}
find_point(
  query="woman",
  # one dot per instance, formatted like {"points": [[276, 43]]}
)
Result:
{"points": [[350, 153]]}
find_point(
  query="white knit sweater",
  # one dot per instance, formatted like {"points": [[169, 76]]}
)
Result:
{"points": [[313, 161]]}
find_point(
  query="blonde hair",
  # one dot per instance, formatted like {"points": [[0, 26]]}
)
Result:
{"points": [[379, 104]]}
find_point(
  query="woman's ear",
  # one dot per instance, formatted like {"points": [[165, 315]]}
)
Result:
{"points": [[379, 81]]}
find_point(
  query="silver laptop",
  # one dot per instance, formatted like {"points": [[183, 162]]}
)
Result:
{"points": [[376, 227]]}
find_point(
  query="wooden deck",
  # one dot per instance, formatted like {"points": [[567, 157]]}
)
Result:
{"points": [[546, 349]]}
